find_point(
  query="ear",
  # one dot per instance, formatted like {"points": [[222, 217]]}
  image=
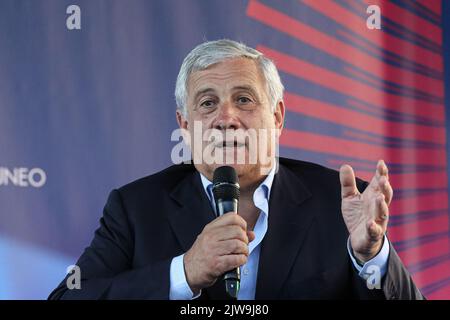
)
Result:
{"points": [[184, 126], [182, 121], [279, 115]]}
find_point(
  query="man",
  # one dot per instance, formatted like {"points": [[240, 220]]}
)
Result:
{"points": [[302, 231]]}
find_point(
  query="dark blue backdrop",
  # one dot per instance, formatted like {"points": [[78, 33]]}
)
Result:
{"points": [[94, 109]]}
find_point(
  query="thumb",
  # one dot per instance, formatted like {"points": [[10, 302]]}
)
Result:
{"points": [[348, 182], [251, 236]]}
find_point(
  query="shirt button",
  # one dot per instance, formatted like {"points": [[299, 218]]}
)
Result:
{"points": [[246, 272]]}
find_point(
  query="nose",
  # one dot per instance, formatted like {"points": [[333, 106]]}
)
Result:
{"points": [[227, 117]]}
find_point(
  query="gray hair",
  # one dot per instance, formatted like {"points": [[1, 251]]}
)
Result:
{"points": [[212, 52]]}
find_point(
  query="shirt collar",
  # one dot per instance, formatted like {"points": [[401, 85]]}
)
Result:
{"points": [[263, 190]]}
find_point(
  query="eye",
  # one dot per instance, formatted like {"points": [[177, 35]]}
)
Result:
{"points": [[207, 104], [244, 100]]}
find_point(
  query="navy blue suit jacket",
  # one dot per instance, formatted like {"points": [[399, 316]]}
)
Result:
{"points": [[303, 255]]}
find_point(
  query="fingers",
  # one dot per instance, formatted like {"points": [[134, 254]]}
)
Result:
{"points": [[380, 182], [372, 212], [348, 182], [232, 232], [377, 225], [382, 169], [228, 262], [251, 236], [382, 210], [386, 189], [233, 246], [375, 231], [230, 218], [221, 246]]}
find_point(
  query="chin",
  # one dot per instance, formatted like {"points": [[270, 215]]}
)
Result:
{"points": [[245, 170], [241, 169]]}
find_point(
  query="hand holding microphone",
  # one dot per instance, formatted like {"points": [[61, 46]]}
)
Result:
{"points": [[226, 197], [222, 246]]}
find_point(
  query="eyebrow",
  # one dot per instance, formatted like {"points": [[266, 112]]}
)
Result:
{"points": [[248, 88], [211, 90], [202, 92]]}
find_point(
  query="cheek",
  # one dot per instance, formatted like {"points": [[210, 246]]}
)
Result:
{"points": [[197, 126], [204, 119], [262, 121], [265, 127]]}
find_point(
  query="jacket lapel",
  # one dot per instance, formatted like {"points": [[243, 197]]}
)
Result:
{"points": [[288, 226], [192, 212]]}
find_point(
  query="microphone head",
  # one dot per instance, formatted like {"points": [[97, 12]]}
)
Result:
{"points": [[225, 174], [225, 183]]}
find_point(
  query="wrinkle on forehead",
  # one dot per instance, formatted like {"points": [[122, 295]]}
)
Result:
{"points": [[231, 73]]}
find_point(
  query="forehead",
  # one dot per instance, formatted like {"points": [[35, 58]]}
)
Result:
{"points": [[227, 74]]}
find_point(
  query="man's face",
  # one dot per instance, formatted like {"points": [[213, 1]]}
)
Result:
{"points": [[231, 96]]}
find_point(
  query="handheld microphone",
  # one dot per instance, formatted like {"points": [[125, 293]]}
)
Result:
{"points": [[226, 196]]}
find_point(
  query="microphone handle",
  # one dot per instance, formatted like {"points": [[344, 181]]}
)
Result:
{"points": [[224, 206], [232, 278]]}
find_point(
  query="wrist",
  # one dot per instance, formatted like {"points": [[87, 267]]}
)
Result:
{"points": [[362, 257], [195, 289]]}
